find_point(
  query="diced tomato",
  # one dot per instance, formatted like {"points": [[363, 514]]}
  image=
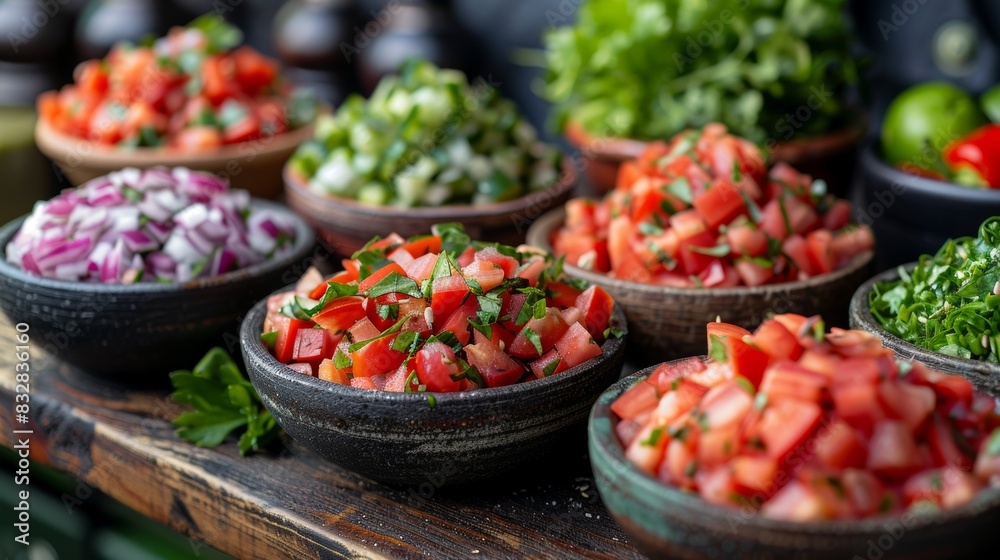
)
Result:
{"points": [[253, 71], [910, 403], [942, 438], [691, 259], [363, 383], [288, 330], [363, 329], [796, 248], [774, 340], [506, 263], [687, 224], [422, 267], [597, 307], [820, 252], [458, 321], [548, 329], [376, 357], [719, 204], [467, 256], [839, 446], [774, 221], [717, 446], [542, 367], [341, 314], [795, 502], [312, 346], [303, 368], [577, 346], [328, 372], [753, 474], [378, 275], [785, 379], [847, 244], [646, 449], [639, 398], [401, 257], [753, 273], [447, 294], [719, 275], [785, 424], [664, 376], [532, 270], [628, 173], [487, 274], [864, 491], [496, 367], [430, 244], [716, 485], [892, 451], [724, 406], [746, 240], [947, 488], [679, 465], [837, 216], [437, 367]]}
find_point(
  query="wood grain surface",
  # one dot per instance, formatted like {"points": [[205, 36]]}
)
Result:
{"points": [[291, 503]]}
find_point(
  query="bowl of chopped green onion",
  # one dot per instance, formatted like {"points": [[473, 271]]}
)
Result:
{"points": [[428, 146], [944, 309]]}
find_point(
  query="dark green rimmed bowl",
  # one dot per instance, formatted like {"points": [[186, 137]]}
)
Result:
{"points": [[668, 523]]}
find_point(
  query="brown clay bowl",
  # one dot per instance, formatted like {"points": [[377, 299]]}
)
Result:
{"points": [[984, 375], [830, 157], [665, 522], [346, 225], [254, 165], [406, 438], [667, 322]]}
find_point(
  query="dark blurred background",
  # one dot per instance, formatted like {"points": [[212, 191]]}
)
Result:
{"points": [[342, 46]]}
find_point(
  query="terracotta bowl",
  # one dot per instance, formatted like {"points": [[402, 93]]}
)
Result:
{"points": [[136, 334], [830, 157], [913, 216], [667, 523], [984, 375], [402, 438], [346, 225], [667, 322], [254, 165]]}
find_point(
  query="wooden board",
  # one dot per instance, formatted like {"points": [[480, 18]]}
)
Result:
{"points": [[292, 503]]}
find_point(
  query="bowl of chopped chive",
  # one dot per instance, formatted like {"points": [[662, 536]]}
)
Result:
{"points": [[944, 309]]}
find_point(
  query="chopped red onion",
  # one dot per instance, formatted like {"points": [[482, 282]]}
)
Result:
{"points": [[145, 226]]}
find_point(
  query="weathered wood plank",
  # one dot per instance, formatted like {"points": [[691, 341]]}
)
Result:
{"points": [[293, 503]]}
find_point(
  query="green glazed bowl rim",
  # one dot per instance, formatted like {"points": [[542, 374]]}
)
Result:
{"points": [[607, 454]]}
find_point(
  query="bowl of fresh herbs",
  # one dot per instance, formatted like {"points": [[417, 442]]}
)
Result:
{"points": [[944, 309], [775, 72]]}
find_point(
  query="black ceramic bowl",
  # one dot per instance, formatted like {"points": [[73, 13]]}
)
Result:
{"points": [[135, 334], [402, 438], [984, 375], [912, 215], [667, 523]]}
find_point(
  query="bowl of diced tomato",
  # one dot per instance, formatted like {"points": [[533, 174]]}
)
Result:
{"points": [[798, 442], [434, 356], [192, 99], [699, 228]]}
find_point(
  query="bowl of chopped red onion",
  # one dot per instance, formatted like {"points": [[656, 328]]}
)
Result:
{"points": [[139, 272]]}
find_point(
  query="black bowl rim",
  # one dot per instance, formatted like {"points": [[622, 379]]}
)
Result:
{"points": [[253, 323], [450, 212], [874, 164], [552, 218], [611, 450], [305, 238], [859, 308]]}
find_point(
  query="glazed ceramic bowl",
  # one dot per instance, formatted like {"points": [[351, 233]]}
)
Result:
{"points": [[137, 333], [346, 225], [667, 523], [984, 375], [254, 165], [831, 157], [913, 216], [668, 322], [406, 438]]}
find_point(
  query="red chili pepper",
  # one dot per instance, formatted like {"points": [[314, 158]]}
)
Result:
{"points": [[975, 157]]}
